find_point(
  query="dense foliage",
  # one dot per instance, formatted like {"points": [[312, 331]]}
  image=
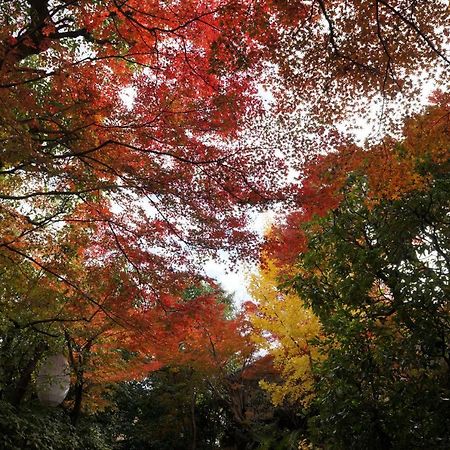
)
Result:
{"points": [[137, 138], [373, 265]]}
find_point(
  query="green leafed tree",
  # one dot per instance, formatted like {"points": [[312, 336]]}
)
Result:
{"points": [[374, 266]]}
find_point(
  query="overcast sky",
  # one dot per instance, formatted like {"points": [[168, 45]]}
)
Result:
{"points": [[234, 279]]}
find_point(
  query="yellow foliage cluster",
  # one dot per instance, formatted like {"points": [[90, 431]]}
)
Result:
{"points": [[284, 328]]}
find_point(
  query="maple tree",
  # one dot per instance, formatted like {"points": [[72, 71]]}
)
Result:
{"points": [[94, 249], [110, 344], [360, 56], [65, 65], [188, 402], [84, 152]]}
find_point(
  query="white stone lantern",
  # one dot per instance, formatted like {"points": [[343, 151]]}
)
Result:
{"points": [[53, 380]]}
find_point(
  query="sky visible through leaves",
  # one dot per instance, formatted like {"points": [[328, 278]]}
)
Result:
{"points": [[162, 162]]}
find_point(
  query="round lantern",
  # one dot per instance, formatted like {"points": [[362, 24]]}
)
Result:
{"points": [[53, 380]]}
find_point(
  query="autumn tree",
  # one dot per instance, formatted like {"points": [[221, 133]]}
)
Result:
{"points": [[352, 54], [373, 265], [201, 398], [285, 329], [85, 156], [105, 204], [88, 160]]}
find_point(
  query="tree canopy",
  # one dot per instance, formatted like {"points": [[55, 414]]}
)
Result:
{"points": [[372, 263], [137, 138]]}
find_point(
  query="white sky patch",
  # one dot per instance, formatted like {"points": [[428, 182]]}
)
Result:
{"points": [[267, 97], [234, 282], [128, 95]]}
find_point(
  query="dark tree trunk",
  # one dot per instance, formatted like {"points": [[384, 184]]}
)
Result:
{"points": [[25, 378]]}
